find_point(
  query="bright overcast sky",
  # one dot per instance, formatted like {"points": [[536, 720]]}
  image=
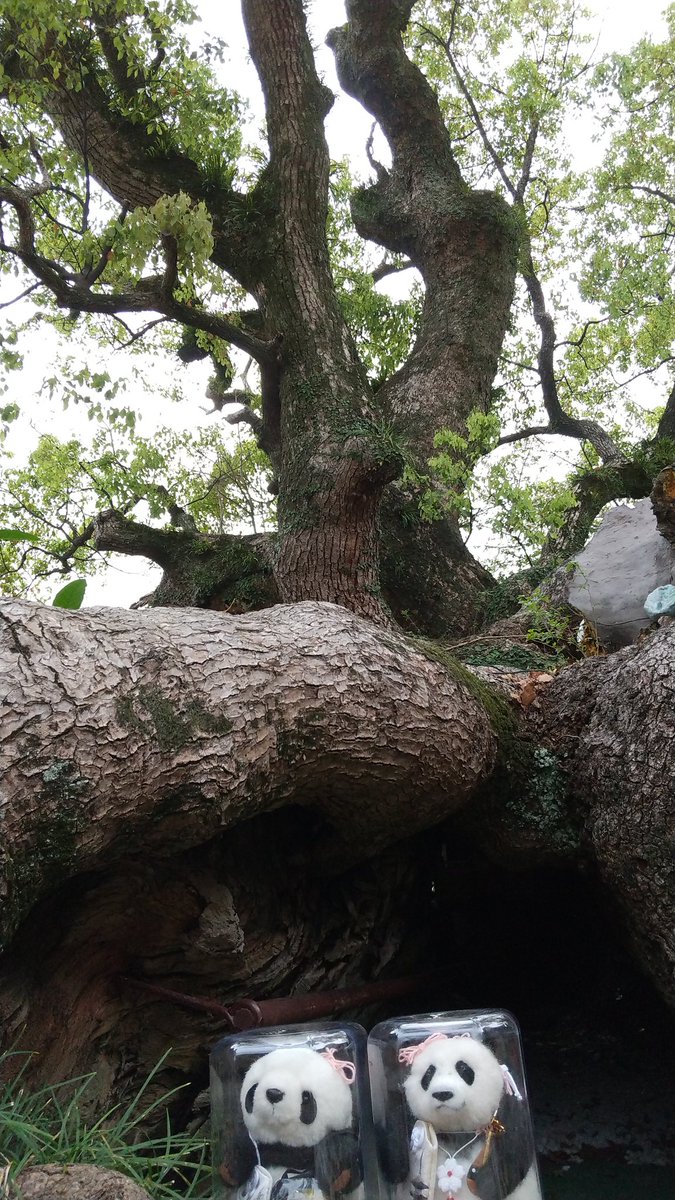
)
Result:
{"points": [[617, 25]]}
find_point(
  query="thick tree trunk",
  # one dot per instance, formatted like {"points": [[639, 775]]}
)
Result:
{"points": [[331, 472], [430, 580], [333, 442], [610, 722], [593, 785], [142, 758], [112, 719], [207, 802]]}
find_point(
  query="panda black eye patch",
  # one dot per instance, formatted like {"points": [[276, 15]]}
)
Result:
{"points": [[248, 1102], [308, 1108], [465, 1072], [427, 1077]]}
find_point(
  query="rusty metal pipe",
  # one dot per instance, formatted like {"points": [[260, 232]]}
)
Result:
{"points": [[249, 1014]]}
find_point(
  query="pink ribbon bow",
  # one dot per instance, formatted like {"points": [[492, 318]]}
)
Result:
{"points": [[410, 1053], [346, 1069]]}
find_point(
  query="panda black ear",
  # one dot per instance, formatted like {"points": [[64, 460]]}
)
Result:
{"points": [[392, 1132]]}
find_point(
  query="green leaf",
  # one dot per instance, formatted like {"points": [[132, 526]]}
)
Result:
{"points": [[17, 535], [72, 595]]}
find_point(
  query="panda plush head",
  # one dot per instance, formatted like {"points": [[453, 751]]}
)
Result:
{"points": [[295, 1097], [454, 1083]]}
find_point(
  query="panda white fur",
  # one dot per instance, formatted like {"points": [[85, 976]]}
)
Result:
{"points": [[454, 1090], [297, 1133]]}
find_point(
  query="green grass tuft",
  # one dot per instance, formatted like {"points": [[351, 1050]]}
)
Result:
{"points": [[46, 1126]]}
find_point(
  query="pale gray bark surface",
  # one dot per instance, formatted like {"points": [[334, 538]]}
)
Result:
{"points": [[162, 729]]}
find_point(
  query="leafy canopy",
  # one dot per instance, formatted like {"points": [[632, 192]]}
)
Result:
{"points": [[515, 80]]}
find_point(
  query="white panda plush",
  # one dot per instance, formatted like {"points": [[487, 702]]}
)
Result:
{"points": [[297, 1135], [463, 1126]]}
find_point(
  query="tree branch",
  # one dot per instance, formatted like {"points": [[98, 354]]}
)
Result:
{"points": [[296, 104], [135, 337], [115, 533], [651, 191], [22, 295], [72, 290], [560, 421], [170, 277], [245, 416], [387, 268], [530, 431], [616, 480], [422, 209], [370, 58], [128, 163], [530, 145], [129, 79], [484, 136]]}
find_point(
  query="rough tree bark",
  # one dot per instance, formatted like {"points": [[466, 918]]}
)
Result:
{"points": [[224, 804], [611, 723], [207, 801], [132, 743]]}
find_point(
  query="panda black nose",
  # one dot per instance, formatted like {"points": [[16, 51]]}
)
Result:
{"points": [[274, 1095], [442, 1095]]}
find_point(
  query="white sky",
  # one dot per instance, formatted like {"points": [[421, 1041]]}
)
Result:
{"points": [[618, 25]]}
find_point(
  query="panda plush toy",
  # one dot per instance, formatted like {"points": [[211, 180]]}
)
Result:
{"points": [[458, 1129], [296, 1139]]}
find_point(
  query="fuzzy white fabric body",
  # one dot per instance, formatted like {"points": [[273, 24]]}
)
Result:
{"points": [[281, 1081]]}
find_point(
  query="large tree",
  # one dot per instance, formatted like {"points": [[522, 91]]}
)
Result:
{"points": [[146, 753]]}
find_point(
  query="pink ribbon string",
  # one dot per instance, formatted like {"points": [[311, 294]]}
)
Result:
{"points": [[346, 1069], [410, 1053], [510, 1085]]}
